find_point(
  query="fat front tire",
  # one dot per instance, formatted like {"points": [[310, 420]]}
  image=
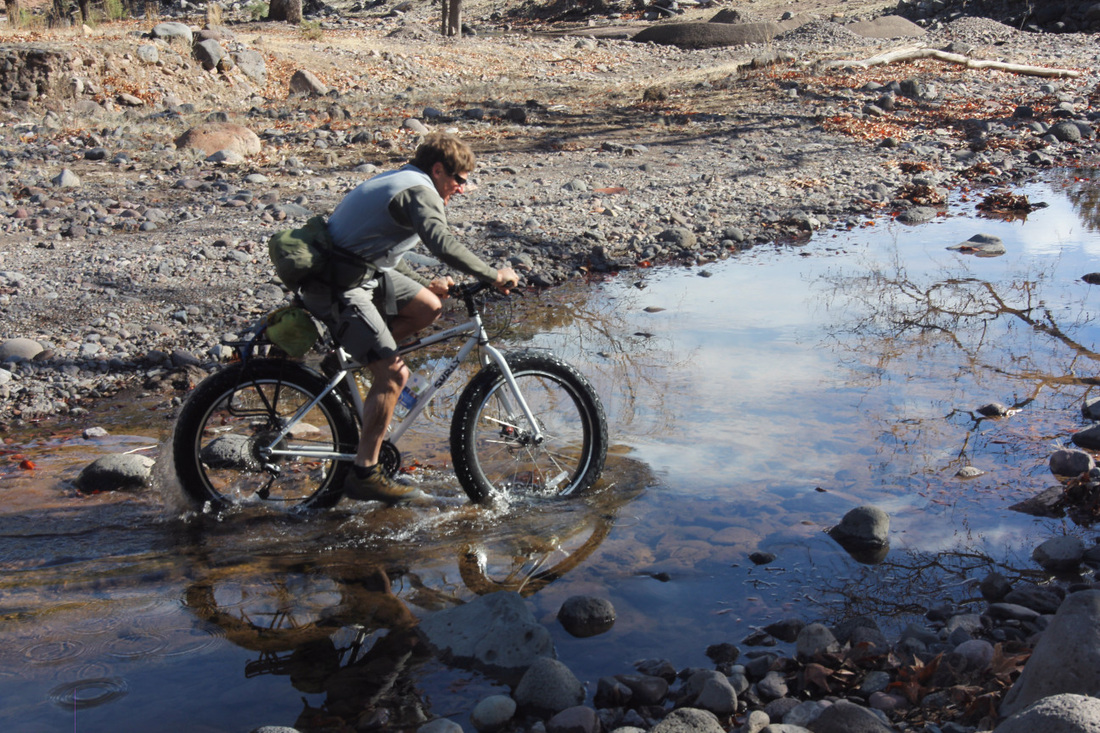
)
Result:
{"points": [[232, 415], [495, 451]]}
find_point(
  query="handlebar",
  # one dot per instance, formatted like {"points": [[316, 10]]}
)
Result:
{"points": [[468, 290]]}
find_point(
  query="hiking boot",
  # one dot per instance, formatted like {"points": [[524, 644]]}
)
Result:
{"points": [[372, 484]]}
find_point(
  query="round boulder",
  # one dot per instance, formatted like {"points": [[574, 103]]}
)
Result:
{"points": [[1071, 463], [19, 349], [981, 245], [864, 527], [214, 136], [548, 686], [585, 616], [1060, 554], [708, 35], [122, 472]]}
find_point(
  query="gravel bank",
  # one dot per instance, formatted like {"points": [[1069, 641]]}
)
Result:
{"points": [[126, 259]]}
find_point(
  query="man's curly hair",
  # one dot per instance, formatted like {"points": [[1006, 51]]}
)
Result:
{"points": [[439, 147]]}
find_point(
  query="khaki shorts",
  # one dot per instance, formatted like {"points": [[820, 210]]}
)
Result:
{"points": [[355, 317]]}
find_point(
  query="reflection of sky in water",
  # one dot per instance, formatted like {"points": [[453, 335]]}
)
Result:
{"points": [[776, 393]]}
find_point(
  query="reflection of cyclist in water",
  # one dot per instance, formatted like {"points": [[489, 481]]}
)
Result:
{"points": [[292, 610]]}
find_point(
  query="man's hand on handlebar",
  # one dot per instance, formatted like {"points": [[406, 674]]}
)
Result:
{"points": [[506, 279], [441, 286]]}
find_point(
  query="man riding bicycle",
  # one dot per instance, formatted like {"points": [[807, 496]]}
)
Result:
{"points": [[379, 221]]}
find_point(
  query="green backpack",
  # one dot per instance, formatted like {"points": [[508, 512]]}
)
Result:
{"points": [[308, 252]]}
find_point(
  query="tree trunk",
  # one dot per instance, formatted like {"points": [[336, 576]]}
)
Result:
{"points": [[59, 15], [451, 17], [289, 11], [13, 13]]}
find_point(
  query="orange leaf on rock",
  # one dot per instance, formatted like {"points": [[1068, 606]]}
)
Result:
{"points": [[27, 465]]}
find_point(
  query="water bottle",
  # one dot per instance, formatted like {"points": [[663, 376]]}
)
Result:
{"points": [[407, 400]]}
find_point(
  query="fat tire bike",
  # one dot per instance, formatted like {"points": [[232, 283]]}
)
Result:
{"points": [[270, 430]]}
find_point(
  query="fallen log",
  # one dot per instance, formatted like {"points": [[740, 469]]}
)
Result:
{"points": [[912, 53]]}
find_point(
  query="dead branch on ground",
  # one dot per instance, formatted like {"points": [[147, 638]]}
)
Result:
{"points": [[911, 53]]}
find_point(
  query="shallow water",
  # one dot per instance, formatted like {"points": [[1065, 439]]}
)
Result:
{"points": [[752, 402]]}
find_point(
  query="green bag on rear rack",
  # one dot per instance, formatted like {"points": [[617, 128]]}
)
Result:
{"points": [[293, 330]]}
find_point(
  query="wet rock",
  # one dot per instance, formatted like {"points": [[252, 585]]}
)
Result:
{"points": [[786, 630], [1071, 463], [969, 472], [862, 528], [584, 616], [124, 472], [982, 245], [495, 633], [1091, 408], [1065, 713], [645, 689], [993, 409], [1060, 554], [761, 558], [1067, 657], [1089, 438], [548, 687]]}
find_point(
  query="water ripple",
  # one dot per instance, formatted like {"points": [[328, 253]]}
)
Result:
{"points": [[52, 651], [88, 693]]}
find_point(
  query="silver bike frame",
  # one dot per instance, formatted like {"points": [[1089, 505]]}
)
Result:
{"points": [[349, 366]]}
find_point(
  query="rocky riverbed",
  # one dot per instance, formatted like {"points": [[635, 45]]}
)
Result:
{"points": [[130, 252]]}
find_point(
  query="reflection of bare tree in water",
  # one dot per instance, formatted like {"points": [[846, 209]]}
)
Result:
{"points": [[630, 365], [957, 329], [909, 583], [1080, 187]]}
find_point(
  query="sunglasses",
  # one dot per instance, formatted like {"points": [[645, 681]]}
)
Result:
{"points": [[459, 179]]}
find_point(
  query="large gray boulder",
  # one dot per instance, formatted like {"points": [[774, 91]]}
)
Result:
{"points": [[708, 35], [173, 32], [19, 349], [214, 136], [495, 634], [1056, 714], [1067, 657]]}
